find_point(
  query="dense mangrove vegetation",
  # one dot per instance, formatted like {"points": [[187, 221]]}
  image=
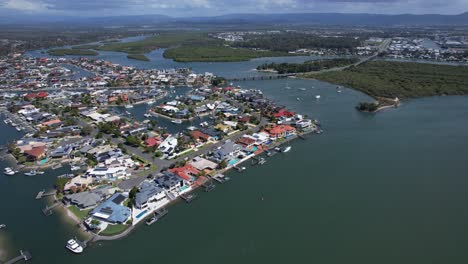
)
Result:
{"points": [[308, 66], [286, 42], [400, 79]]}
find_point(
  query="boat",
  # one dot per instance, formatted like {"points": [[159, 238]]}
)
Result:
{"points": [[75, 168], [147, 115], [18, 129], [33, 173], [298, 98], [317, 97], [74, 247], [338, 91], [151, 220], [204, 124], [2, 226], [286, 149], [9, 171], [177, 121], [191, 128], [129, 106], [150, 102], [302, 89]]}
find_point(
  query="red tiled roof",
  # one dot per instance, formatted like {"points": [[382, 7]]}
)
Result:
{"points": [[199, 135], [246, 141], [35, 152], [186, 172], [152, 141]]}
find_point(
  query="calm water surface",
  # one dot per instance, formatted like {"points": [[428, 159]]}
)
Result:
{"points": [[385, 188]]}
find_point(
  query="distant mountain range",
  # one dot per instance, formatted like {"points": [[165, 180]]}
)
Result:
{"points": [[296, 18]]}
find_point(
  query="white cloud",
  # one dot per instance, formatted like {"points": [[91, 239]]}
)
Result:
{"points": [[25, 5]]}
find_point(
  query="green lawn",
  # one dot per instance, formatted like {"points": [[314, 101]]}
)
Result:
{"points": [[114, 230], [188, 47], [79, 213]]}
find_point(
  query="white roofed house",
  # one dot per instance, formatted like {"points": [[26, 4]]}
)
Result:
{"points": [[168, 145], [108, 173]]}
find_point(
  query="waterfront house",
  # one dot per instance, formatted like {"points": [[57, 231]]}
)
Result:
{"points": [[84, 200], [187, 172], [36, 153], [280, 131], [112, 210], [228, 150], [148, 192], [171, 182]]}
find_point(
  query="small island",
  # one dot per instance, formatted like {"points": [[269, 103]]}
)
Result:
{"points": [[77, 52], [140, 57]]}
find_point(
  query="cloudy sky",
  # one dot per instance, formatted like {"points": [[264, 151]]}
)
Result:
{"points": [[217, 7]]}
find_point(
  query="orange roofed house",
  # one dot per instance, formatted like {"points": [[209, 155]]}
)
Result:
{"points": [[36, 153], [280, 131], [187, 172]]}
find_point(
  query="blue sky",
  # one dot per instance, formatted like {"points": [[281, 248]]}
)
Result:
{"points": [[217, 7]]}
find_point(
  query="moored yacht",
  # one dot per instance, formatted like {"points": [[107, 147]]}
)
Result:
{"points": [[74, 247], [9, 171], [286, 149], [129, 106], [177, 121]]}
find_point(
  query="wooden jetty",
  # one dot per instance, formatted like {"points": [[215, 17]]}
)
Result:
{"points": [[48, 210], [161, 213], [24, 255], [209, 186], [221, 178], [43, 194], [239, 169], [188, 197]]}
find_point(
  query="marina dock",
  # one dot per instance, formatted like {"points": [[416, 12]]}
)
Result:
{"points": [[209, 186], [188, 197], [24, 255], [221, 178]]}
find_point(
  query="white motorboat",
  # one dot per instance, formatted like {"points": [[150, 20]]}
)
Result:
{"points": [[150, 102], [33, 173], [298, 98], [2, 226], [191, 128], [74, 247], [147, 115], [177, 121], [151, 220], [317, 97], [286, 149], [75, 168], [302, 89], [9, 171], [129, 106]]}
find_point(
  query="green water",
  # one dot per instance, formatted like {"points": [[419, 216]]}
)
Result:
{"points": [[385, 188]]}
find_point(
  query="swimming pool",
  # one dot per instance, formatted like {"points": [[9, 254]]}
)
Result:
{"points": [[232, 162], [141, 214]]}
